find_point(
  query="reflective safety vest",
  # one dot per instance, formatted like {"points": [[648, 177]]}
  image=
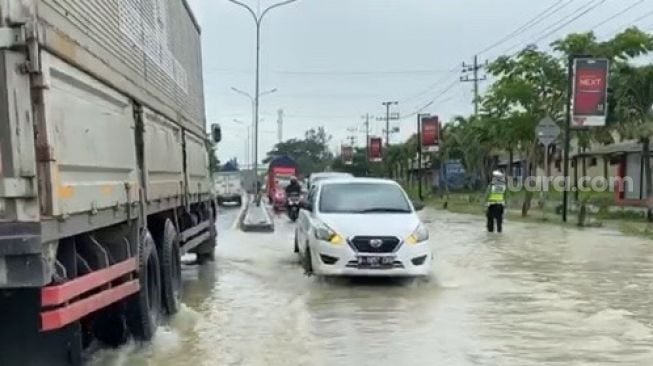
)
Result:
{"points": [[497, 193]]}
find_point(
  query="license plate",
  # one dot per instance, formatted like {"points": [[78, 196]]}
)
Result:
{"points": [[376, 261]]}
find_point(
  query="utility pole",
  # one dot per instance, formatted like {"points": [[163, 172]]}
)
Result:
{"points": [[280, 125], [419, 156], [387, 121], [367, 134], [474, 69], [367, 141], [258, 17], [351, 138]]}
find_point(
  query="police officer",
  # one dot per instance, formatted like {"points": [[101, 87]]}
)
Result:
{"points": [[496, 200]]}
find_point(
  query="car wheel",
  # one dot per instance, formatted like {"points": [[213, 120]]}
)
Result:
{"points": [[296, 244], [307, 262]]}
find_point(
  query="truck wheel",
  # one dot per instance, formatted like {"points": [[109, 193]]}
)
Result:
{"points": [[145, 307], [206, 251], [171, 268], [109, 326]]}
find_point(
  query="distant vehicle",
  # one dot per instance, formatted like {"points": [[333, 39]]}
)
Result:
{"points": [[316, 177], [362, 227], [229, 188], [280, 170]]}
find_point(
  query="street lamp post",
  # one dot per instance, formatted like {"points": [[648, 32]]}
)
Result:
{"points": [[248, 151], [258, 19]]}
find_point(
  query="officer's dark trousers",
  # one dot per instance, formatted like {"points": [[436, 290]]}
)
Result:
{"points": [[495, 213]]}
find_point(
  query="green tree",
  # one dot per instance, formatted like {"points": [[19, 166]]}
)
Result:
{"points": [[311, 153], [528, 87]]}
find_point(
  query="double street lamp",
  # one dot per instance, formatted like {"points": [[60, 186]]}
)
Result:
{"points": [[258, 18]]}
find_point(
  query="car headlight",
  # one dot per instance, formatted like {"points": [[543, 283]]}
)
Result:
{"points": [[420, 234], [325, 233]]}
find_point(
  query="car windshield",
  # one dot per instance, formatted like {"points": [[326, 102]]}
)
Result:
{"points": [[363, 198]]}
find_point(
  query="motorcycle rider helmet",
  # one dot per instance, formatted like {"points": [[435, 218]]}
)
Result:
{"points": [[497, 174]]}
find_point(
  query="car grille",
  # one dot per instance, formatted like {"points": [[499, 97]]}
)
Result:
{"points": [[362, 244], [395, 264]]}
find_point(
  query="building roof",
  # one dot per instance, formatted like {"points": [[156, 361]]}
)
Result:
{"points": [[612, 149]]}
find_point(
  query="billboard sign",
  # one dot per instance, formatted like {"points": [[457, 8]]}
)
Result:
{"points": [[347, 154], [590, 92], [430, 134], [376, 149]]}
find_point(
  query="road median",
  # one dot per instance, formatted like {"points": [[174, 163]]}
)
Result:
{"points": [[256, 218]]}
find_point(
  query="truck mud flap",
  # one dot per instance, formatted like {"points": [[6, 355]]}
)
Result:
{"points": [[21, 338]]}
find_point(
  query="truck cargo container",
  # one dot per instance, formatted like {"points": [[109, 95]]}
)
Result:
{"points": [[104, 172]]}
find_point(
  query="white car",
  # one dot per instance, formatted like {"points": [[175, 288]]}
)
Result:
{"points": [[362, 227], [318, 177]]}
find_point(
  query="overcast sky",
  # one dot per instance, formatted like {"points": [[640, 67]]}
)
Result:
{"points": [[333, 61]]}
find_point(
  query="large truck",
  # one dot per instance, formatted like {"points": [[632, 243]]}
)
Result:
{"points": [[104, 172], [280, 170], [229, 187]]}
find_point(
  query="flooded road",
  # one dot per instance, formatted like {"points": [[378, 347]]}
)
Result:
{"points": [[536, 295]]}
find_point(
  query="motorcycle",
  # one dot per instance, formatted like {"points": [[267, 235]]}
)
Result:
{"points": [[293, 203]]}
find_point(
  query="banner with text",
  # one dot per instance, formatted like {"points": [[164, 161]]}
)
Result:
{"points": [[590, 92], [376, 149], [430, 134], [347, 154]]}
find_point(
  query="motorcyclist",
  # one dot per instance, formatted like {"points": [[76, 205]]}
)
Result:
{"points": [[294, 188], [496, 200]]}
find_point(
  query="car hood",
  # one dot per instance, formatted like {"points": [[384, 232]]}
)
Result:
{"points": [[372, 224]]}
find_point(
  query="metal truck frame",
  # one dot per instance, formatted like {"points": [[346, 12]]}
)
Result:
{"points": [[104, 178]]}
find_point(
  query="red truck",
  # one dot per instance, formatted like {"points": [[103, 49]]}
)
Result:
{"points": [[280, 170]]}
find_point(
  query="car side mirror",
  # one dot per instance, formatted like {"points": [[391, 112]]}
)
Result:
{"points": [[418, 205], [216, 133]]}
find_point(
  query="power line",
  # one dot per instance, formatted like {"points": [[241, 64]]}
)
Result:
{"points": [[575, 15], [359, 72], [615, 16], [432, 101], [537, 19]]}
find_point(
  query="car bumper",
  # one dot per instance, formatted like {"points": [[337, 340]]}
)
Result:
{"points": [[230, 198], [347, 261]]}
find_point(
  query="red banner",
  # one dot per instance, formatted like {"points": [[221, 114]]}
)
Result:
{"points": [[430, 134], [590, 92], [376, 149], [347, 154]]}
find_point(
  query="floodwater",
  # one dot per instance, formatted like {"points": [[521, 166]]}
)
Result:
{"points": [[535, 295]]}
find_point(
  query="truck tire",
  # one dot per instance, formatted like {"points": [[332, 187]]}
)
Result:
{"points": [[144, 309], [110, 326], [206, 251], [170, 268]]}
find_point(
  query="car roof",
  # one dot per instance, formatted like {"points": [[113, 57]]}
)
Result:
{"points": [[354, 180], [330, 174]]}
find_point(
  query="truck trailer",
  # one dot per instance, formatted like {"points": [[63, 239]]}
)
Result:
{"points": [[104, 172]]}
